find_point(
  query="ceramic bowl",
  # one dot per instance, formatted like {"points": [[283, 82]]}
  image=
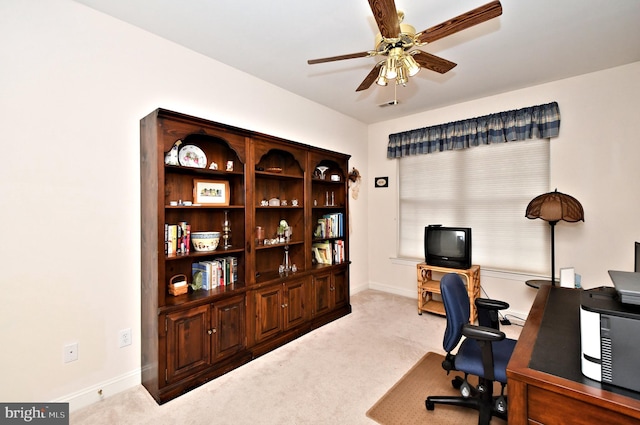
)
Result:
{"points": [[205, 241]]}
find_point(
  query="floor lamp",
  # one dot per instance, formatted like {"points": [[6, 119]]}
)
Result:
{"points": [[553, 207]]}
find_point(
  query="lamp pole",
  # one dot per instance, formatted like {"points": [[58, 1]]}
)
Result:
{"points": [[553, 253]]}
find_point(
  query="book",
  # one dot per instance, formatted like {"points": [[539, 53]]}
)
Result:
{"points": [[316, 255], [172, 239], [166, 239], [324, 252], [208, 283], [233, 269], [200, 268], [223, 271], [184, 236], [338, 251]]}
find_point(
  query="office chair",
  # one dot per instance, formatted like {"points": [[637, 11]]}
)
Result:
{"points": [[484, 352]]}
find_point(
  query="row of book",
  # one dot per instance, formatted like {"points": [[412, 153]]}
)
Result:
{"points": [[214, 273], [177, 238], [329, 252], [330, 226]]}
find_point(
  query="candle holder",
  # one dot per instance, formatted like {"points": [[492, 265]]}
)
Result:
{"points": [[285, 267], [226, 231]]}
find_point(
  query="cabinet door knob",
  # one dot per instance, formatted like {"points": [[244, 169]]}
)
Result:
{"points": [[212, 331], [284, 305]]}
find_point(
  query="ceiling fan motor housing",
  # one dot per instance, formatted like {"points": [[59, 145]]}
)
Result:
{"points": [[405, 40]]}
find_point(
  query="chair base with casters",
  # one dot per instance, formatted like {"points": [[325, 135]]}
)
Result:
{"points": [[484, 352], [479, 398]]}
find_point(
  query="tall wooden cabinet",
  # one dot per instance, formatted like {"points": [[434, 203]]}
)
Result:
{"points": [[257, 182]]}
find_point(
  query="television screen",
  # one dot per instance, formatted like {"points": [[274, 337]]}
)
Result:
{"points": [[447, 243]]}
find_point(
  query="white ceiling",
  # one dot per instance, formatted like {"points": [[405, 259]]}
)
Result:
{"points": [[534, 41]]}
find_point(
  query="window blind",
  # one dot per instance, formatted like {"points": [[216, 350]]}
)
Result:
{"points": [[486, 188]]}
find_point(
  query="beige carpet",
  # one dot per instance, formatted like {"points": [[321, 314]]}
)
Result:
{"points": [[404, 404]]}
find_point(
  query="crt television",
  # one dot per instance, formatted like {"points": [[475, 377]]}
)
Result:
{"points": [[447, 246]]}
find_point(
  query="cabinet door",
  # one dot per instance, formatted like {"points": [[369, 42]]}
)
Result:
{"points": [[188, 342], [269, 305], [296, 303], [340, 288], [321, 294], [227, 327]]}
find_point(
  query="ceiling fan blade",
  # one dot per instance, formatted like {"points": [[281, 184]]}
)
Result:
{"points": [[340, 57], [366, 83], [432, 62], [386, 16], [459, 23]]}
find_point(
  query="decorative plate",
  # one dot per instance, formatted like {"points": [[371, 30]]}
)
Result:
{"points": [[192, 156]]}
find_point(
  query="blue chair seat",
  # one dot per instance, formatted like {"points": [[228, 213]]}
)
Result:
{"points": [[469, 358]]}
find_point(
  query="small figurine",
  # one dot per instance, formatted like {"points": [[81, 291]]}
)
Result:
{"points": [[284, 231]]}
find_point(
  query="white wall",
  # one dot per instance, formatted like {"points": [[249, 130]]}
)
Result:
{"points": [[74, 85], [595, 159]]}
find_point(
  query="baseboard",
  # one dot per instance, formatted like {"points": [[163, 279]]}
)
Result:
{"points": [[394, 290], [355, 289], [101, 391]]}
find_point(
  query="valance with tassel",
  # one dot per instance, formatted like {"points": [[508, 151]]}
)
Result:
{"points": [[541, 121]]}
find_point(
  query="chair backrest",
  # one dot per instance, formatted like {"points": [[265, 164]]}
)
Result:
{"points": [[456, 306]]}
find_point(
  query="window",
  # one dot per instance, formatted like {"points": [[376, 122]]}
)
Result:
{"points": [[486, 188]]}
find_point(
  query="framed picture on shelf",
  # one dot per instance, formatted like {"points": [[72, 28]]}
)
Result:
{"points": [[211, 192]]}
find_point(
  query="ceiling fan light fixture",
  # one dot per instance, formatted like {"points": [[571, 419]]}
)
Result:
{"points": [[382, 79], [391, 68], [411, 65], [402, 76]]}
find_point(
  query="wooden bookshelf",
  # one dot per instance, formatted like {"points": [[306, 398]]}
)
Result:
{"points": [[194, 337]]}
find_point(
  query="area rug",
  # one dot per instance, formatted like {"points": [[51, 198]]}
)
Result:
{"points": [[403, 404]]}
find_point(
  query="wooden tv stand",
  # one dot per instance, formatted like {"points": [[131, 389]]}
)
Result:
{"points": [[428, 286]]}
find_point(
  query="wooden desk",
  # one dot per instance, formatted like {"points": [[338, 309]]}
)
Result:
{"points": [[545, 382]]}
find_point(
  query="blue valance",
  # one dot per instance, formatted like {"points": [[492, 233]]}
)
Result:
{"points": [[542, 121]]}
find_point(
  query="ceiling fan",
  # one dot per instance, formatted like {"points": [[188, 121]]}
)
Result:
{"points": [[396, 39]]}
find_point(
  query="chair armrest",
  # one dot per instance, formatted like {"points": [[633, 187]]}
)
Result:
{"points": [[491, 304], [485, 337], [482, 333]]}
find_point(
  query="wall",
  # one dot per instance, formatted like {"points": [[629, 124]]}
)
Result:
{"points": [[74, 85], [595, 159]]}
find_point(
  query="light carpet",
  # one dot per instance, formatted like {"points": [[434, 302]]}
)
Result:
{"points": [[404, 403]]}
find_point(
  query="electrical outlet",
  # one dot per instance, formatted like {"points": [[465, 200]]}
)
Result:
{"points": [[124, 337], [70, 352]]}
